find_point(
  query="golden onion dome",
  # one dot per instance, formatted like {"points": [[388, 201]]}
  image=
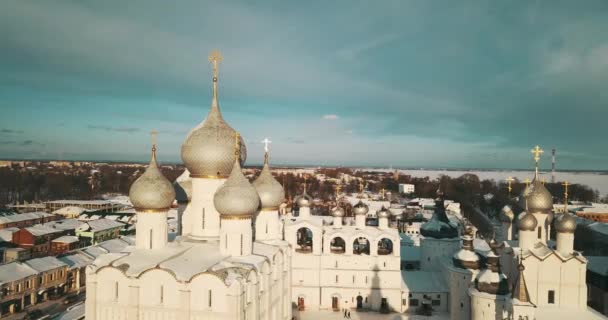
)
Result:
{"points": [[152, 191], [565, 223], [269, 189], [527, 222], [360, 208], [538, 198], [208, 150], [236, 197]]}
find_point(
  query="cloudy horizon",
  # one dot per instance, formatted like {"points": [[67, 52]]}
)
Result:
{"points": [[473, 84]]}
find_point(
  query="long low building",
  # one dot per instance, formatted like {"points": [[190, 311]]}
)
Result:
{"points": [[28, 219]]}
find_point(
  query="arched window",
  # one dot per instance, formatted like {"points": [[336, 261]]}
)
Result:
{"points": [[361, 246], [385, 246], [337, 245], [304, 240]]}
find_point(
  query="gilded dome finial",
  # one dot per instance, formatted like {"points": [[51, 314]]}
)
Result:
{"points": [[509, 181], [215, 57], [565, 184], [266, 143], [537, 151], [153, 134]]}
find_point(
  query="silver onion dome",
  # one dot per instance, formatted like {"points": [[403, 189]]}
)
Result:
{"points": [[337, 212], [269, 189], [383, 213], [152, 191], [208, 150], [565, 223], [538, 198], [527, 222], [236, 197], [360, 208], [304, 200], [506, 214]]}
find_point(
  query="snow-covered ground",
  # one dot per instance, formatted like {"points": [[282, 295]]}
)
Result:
{"points": [[331, 315]]}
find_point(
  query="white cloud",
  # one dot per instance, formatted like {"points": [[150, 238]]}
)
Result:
{"points": [[330, 117]]}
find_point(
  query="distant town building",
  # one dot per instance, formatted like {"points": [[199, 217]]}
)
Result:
{"points": [[95, 205], [16, 254], [597, 213], [406, 188], [64, 244], [100, 230], [37, 239], [27, 219]]}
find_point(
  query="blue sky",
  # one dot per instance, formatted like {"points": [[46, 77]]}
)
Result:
{"points": [[402, 83]]}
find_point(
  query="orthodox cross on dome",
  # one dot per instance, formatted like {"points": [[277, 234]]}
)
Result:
{"points": [[509, 181], [153, 134], [537, 151], [215, 57], [527, 181]]}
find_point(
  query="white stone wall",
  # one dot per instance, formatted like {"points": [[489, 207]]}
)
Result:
{"points": [[151, 230], [203, 219], [460, 303], [487, 306]]}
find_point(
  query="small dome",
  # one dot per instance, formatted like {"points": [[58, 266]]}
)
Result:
{"points": [[506, 214], [183, 187], [527, 222], [360, 208], [565, 223], [304, 200], [208, 150], [538, 198], [269, 189], [337, 212], [236, 197], [383, 213], [152, 191]]}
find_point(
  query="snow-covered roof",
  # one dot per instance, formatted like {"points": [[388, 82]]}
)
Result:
{"points": [[70, 211], [76, 260], [423, 282], [114, 245], [66, 224], [371, 231], [95, 251], [100, 225], [23, 217], [7, 234], [41, 230], [66, 239], [45, 264], [14, 271]]}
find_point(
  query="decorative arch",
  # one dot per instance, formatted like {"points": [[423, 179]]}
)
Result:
{"points": [[337, 245], [361, 245], [304, 240], [385, 246]]}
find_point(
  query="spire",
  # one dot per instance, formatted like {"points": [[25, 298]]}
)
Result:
{"points": [[520, 290], [153, 134], [215, 57], [537, 151], [266, 143], [237, 146]]}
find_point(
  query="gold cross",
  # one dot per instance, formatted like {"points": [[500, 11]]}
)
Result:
{"points": [[566, 184], [527, 182], [537, 151], [153, 134], [544, 180], [215, 57], [509, 180]]}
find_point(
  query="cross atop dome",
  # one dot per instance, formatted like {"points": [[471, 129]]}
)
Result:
{"points": [[537, 151], [215, 57], [153, 134]]}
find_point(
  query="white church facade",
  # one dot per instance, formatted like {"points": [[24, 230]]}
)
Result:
{"points": [[240, 253]]}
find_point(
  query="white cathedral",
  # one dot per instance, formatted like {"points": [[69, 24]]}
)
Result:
{"points": [[242, 254]]}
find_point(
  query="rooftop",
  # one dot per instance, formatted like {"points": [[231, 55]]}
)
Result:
{"points": [[14, 271], [45, 264]]}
